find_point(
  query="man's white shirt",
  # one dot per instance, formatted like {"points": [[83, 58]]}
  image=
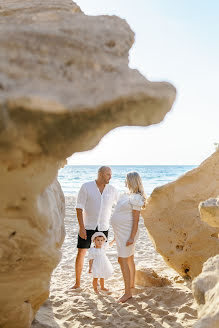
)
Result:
{"points": [[96, 207]]}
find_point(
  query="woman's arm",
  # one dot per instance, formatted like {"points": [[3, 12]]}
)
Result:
{"points": [[90, 265], [135, 215]]}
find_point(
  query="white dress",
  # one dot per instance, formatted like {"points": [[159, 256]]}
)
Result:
{"points": [[122, 222], [101, 267]]}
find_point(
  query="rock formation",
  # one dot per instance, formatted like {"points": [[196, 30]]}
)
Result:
{"points": [[206, 285], [206, 293], [173, 220], [209, 211], [64, 83], [147, 277]]}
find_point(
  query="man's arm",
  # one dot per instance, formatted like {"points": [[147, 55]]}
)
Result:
{"points": [[82, 231], [81, 201]]}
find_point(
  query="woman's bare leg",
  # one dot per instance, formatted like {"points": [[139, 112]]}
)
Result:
{"points": [[102, 285], [131, 265], [95, 285], [126, 277]]}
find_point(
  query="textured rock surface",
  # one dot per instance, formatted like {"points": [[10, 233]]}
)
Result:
{"points": [[66, 74], [64, 83], [209, 211], [31, 234], [173, 220], [206, 292], [148, 277]]}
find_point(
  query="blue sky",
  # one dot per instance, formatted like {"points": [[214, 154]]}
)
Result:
{"points": [[175, 41]]}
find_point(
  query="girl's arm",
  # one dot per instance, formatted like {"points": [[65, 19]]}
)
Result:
{"points": [[136, 215], [90, 265]]}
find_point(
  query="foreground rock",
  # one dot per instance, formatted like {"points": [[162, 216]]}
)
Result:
{"points": [[206, 293], [209, 211], [206, 285], [173, 220], [65, 75], [64, 83]]}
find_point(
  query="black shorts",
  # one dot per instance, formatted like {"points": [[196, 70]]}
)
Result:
{"points": [[85, 243]]}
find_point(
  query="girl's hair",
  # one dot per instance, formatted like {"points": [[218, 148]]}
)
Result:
{"points": [[134, 183]]}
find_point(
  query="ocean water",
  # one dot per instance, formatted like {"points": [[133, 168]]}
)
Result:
{"points": [[71, 177]]}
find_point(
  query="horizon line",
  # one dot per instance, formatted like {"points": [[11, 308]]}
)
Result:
{"points": [[132, 164]]}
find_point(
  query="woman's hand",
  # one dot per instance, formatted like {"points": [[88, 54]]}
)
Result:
{"points": [[83, 233], [130, 241]]}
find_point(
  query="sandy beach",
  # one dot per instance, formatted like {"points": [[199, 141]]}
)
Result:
{"points": [[155, 307]]}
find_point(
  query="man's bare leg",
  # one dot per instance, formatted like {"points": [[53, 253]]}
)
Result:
{"points": [[79, 263]]}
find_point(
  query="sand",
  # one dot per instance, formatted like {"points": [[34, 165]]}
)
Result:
{"points": [[155, 307]]}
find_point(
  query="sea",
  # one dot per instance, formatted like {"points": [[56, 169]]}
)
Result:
{"points": [[71, 177]]}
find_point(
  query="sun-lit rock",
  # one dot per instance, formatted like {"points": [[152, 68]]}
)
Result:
{"points": [[209, 211], [147, 277], [173, 220], [64, 83], [206, 292], [66, 74]]}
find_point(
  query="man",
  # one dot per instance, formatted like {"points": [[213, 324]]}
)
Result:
{"points": [[94, 206]]}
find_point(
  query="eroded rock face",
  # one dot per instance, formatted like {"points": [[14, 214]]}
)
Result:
{"points": [[66, 74], [209, 211], [31, 235], [206, 292], [64, 83], [147, 277], [173, 220]]}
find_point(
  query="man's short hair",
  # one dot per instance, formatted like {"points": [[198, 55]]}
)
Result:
{"points": [[103, 168]]}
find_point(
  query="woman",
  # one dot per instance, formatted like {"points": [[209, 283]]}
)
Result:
{"points": [[125, 225]]}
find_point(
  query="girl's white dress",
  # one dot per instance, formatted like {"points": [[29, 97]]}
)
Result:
{"points": [[122, 222], [101, 268]]}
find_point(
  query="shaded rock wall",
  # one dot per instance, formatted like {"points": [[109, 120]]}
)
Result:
{"points": [[206, 293], [64, 83], [206, 285], [173, 220], [209, 211]]}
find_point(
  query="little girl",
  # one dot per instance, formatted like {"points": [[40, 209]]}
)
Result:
{"points": [[99, 264]]}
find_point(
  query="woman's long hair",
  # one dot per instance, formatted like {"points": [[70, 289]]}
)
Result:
{"points": [[134, 183]]}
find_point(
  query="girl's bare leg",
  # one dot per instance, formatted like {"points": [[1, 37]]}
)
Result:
{"points": [[102, 285], [126, 277], [131, 265], [95, 285]]}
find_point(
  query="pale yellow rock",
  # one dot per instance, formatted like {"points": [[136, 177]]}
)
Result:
{"points": [[173, 220], [147, 277], [66, 74], [64, 83], [209, 211], [32, 232], [206, 292]]}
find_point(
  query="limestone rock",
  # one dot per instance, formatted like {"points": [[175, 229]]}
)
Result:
{"points": [[64, 83], [206, 292], [209, 211], [66, 74], [147, 277], [173, 220], [31, 235]]}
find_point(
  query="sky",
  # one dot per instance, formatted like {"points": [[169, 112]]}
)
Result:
{"points": [[175, 41]]}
